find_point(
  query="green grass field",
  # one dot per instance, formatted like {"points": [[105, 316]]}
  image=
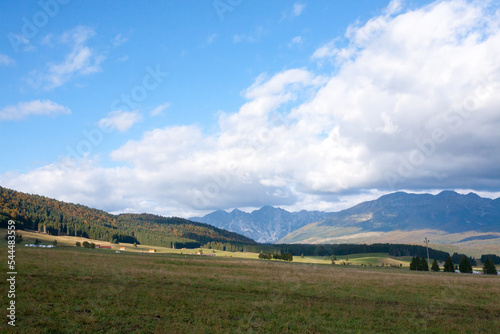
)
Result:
{"points": [[76, 290]]}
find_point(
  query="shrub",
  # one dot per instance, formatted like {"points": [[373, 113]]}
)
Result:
{"points": [[78, 244]]}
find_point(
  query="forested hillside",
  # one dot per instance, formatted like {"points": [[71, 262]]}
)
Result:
{"points": [[60, 218]]}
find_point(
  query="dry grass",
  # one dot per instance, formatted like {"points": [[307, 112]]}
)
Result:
{"points": [[91, 291]]}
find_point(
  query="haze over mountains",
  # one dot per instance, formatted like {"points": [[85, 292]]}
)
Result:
{"points": [[266, 225], [449, 217]]}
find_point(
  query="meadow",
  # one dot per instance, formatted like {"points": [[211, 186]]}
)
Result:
{"points": [[77, 290]]}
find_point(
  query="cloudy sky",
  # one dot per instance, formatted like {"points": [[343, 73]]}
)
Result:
{"points": [[181, 108]]}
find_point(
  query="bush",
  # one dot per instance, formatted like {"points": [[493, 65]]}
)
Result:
{"points": [[86, 244], [92, 245], [78, 244], [54, 243]]}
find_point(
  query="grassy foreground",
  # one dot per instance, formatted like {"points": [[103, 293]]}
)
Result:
{"points": [[71, 290]]}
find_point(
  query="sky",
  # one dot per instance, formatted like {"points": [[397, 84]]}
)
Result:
{"points": [[180, 108]]}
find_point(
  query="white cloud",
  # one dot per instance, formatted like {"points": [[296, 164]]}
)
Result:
{"points": [[124, 58], [249, 38], [6, 60], [407, 108], [211, 38], [158, 110], [120, 120], [119, 40], [297, 9], [82, 60], [296, 40], [36, 107]]}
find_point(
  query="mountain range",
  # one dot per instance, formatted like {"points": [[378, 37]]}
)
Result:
{"points": [[266, 225], [448, 217]]}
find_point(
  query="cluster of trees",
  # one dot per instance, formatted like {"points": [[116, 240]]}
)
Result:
{"points": [[464, 265], [276, 256], [419, 264], [230, 247], [85, 244]]}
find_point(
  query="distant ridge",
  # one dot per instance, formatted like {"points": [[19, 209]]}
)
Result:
{"points": [[400, 214], [266, 225]]}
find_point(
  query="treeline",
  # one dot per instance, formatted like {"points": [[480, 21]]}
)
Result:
{"points": [[456, 258], [276, 256], [493, 258], [59, 218], [328, 250]]}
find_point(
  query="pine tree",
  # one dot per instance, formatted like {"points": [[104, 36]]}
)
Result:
{"points": [[424, 266], [435, 266], [413, 264], [448, 265], [489, 267], [418, 263], [464, 266]]}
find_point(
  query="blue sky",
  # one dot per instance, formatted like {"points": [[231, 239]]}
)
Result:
{"points": [[184, 107]]}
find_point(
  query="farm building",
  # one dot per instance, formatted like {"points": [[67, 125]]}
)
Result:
{"points": [[105, 247], [152, 250], [122, 248]]}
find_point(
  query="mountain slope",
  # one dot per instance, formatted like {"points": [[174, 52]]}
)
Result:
{"points": [[449, 213], [266, 225], [60, 218]]}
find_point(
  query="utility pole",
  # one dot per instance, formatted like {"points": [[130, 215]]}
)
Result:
{"points": [[427, 246]]}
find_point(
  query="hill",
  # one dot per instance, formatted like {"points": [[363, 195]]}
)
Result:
{"points": [[266, 225], [406, 218], [59, 218]]}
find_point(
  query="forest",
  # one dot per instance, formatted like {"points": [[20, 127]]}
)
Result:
{"points": [[54, 217]]}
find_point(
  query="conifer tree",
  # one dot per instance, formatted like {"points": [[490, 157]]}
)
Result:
{"points": [[464, 266], [419, 263], [448, 265], [435, 266], [424, 266], [489, 267], [413, 264]]}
